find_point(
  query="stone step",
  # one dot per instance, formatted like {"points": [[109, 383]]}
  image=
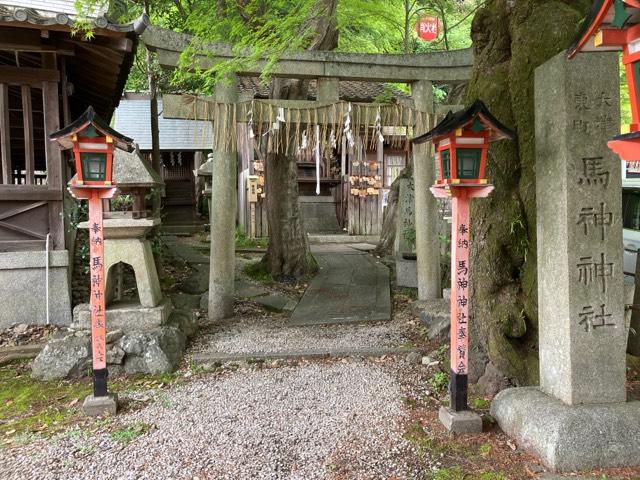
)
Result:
{"points": [[342, 238], [208, 358]]}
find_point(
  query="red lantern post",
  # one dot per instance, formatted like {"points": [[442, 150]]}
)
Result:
{"points": [[461, 142], [93, 143]]}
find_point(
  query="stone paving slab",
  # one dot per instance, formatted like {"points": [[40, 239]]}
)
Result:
{"points": [[350, 287]]}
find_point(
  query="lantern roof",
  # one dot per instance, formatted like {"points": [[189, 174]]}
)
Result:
{"points": [[90, 117], [605, 15], [478, 112]]}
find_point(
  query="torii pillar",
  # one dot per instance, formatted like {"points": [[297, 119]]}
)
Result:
{"points": [[426, 206], [222, 216]]}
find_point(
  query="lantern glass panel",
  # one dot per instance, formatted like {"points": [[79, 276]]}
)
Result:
{"points": [[94, 166], [446, 163], [468, 162]]}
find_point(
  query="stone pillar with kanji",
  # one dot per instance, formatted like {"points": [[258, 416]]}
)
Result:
{"points": [[579, 417]]}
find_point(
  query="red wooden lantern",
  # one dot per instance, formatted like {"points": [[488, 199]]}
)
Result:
{"points": [[92, 141], [614, 25], [461, 141]]}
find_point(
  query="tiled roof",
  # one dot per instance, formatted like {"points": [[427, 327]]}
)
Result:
{"points": [[60, 12], [350, 91], [132, 118]]}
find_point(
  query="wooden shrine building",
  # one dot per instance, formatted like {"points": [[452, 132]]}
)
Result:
{"points": [[355, 176], [47, 78]]}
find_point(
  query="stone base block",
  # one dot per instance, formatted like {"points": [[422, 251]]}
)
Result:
{"points": [[100, 406], [23, 281], [569, 438], [406, 273], [128, 317], [460, 422]]}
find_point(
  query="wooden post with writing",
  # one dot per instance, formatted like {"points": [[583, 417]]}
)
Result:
{"points": [[98, 314]]}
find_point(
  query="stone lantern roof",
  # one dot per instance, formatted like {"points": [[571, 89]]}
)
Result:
{"points": [[131, 170]]}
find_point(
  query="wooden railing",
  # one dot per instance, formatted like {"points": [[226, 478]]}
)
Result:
{"points": [[20, 177]]}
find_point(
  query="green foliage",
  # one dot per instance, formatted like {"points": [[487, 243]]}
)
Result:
{"points": [[30, 409], [242, 241], [26, 405], [439, 381], [481, 403], [625, 102], [75, 213], [456, 473], [131, 432], [258, 271], [484, 450], [122, 203], [453, 473], [409, 235], [267, 28], [412, 293]]}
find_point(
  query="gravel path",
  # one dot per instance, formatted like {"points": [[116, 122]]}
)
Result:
{"points": [[312, 421], [270, 334]]}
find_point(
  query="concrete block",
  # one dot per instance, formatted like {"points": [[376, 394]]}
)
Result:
{"points": [[128, 317], [460, 422], [568, 438], [100, 406], [23, 281]]}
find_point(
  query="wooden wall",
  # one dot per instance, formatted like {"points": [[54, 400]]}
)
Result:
{"points": [[31, 169]]}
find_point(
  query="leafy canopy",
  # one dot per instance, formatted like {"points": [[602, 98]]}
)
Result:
{"points": [[267, 28]]}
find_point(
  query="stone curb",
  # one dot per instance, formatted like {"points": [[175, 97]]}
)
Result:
{"points": [[294, 355], [20, 352]]}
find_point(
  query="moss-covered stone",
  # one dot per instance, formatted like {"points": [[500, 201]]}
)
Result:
{"points": [[511, 39]]}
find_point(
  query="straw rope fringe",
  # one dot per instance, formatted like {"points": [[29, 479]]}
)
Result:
{"points": [[399, 123]]}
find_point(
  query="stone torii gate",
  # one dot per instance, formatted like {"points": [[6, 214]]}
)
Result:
{"points": [[421, 71]]}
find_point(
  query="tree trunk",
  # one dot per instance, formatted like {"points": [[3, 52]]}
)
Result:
{"points": [[510, 40], [153, 108], [288, 254]]}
